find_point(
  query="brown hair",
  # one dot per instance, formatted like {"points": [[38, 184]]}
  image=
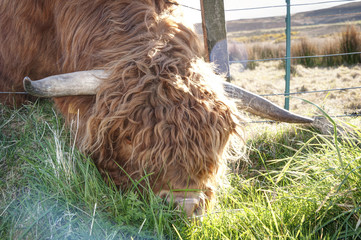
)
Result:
{"points": [[156, 112]]}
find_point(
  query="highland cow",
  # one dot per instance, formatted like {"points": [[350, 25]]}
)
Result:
{"points": [[135, 78]]}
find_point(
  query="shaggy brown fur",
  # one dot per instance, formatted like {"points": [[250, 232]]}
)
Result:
{"points": [[155, 113]]}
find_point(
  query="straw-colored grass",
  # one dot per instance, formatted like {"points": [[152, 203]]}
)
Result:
{"points": [[268, 78], [347, 41]]}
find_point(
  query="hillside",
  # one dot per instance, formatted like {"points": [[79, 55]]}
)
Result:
{"points": [[343, 13]]}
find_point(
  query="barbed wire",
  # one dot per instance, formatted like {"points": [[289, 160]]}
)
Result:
{"points": [[333, 15], [298, 57], [14, 93], [315, 118], [292, 5], [193, 8], [263, 95], [308, 92], [274, 6]]}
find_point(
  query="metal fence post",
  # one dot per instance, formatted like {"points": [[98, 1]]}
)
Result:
{"points": [[288, 55], [215, 34]]}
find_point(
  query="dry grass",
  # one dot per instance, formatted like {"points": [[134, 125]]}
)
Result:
{"points": [[265, 36], [351, 42], [347, 41], [305, 47], [268, 78]]}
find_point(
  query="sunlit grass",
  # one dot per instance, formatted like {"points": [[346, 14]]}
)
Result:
{"points": [[307, 195], [298, 184], [50, 190]]}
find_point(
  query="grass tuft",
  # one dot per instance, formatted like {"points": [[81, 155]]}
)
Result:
{"points": [[351, 42]]}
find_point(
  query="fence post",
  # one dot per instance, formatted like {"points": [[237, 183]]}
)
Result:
{"points": [[288, 55], [215, 34]]}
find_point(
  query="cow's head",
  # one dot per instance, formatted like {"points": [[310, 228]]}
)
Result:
{"points": [[173, 129]]}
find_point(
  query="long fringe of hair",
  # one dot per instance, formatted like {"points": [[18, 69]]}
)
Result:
{"points": [[156, 112]]}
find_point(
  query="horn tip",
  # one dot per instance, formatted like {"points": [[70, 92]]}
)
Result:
{"points": [[27, 83], [26, 79], [29, 88]]}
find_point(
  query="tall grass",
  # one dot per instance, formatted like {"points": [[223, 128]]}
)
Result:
{"points": [[49, 190], [255, 51], [305, 48], [299, 183], [347, 41], [351, 42], [331, 46]]}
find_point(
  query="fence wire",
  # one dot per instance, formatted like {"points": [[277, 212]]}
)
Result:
{"points": [[273, 6], [315, 118], [308, 92], [14, 93], [292, 5], [263, 95], [298, 57]]}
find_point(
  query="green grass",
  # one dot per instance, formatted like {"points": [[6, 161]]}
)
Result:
{"points": [[298, 184], [49, 190]]}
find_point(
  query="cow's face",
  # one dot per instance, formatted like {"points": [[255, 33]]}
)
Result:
{"points": [[174, 134]]}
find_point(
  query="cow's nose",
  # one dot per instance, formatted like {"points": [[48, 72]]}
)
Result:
{"points": [[190, 206], [191, 203]]}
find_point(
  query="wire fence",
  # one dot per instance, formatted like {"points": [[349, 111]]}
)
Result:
{"points": [[352, 14], [298, 57], [308, 92], [273, 6], [315, 118], [24, 93]]}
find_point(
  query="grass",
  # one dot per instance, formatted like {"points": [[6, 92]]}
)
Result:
{"points": [[351, 42], [299, 183], [265, 36], [50, 190], [269, 46]]}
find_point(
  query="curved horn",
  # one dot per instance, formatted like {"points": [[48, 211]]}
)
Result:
{"points": [[68, 84], [262, 107]]}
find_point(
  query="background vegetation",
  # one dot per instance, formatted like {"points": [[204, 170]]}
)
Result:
{"points": [[269, 46]]}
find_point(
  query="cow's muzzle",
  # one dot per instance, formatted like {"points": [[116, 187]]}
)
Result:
{"points": [[192, 204]]}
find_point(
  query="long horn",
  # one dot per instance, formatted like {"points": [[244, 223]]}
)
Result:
{"points": [[87, 83], [68, 84], [260, 106]]}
